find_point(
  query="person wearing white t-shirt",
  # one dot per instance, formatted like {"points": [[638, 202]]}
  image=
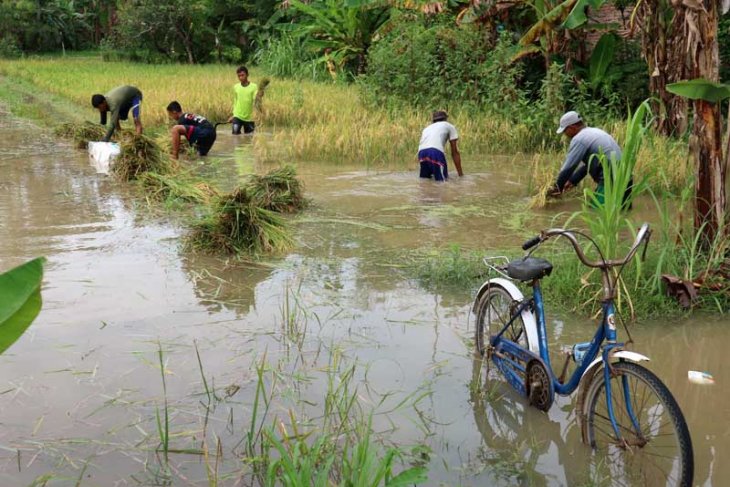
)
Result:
{"points": [[431, 149]]}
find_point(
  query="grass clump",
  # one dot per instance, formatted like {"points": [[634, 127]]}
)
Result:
{"points": [[140, 154], [80, 133], [278, 190], [238, 224], [171, 189]]}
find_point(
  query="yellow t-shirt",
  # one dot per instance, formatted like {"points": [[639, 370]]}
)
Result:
{"points": [[243, 101]]}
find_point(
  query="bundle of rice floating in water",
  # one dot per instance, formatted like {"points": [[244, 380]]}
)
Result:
{"points": [[159, 187], [278, 190], [81, 133], [238, 224], [139, 154]]}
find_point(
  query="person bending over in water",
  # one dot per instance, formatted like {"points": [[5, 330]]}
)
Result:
{"points": [[196, 128], [431, 153], [119, 101]]}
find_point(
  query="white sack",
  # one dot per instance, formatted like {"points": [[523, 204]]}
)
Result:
{"points": [[102, 155]]}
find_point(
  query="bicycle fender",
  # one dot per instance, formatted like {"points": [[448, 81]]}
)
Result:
{"points": [[624, 354], [528, 318]]}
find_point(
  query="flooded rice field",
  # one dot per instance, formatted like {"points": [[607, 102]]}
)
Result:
{"points": [[246, 345]]}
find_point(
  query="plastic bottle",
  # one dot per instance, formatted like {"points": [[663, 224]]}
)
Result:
{"points": [[697, 377]]}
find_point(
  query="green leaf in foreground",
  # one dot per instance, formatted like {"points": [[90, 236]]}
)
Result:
{"points": [[20, 300], [700, 89]]}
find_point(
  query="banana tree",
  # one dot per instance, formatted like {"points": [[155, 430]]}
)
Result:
{"points": [[20, 289], [706, 147], [340, 30]]}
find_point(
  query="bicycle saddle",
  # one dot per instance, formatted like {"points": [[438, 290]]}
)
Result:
{"points": [[529, 268]]}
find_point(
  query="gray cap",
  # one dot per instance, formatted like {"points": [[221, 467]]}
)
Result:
{"points": [[568, 119], [439, 115]]}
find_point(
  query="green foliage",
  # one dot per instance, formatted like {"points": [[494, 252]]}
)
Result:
{"points": [[20, 289], [700, 89], [339, 31], [45, 26], [9, 48], [285, 56], [437, 63]]}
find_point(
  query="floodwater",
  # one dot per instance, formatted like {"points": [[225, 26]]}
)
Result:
{"points": [[81, 389]]}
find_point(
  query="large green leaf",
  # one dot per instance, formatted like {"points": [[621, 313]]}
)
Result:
{"points": [[700, 89], [601, 58], [17, 286], [12, 328], [20, 300], [577, 16]]}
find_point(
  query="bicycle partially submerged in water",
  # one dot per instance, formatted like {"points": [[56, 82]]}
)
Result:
{"points": [[625, 412]]}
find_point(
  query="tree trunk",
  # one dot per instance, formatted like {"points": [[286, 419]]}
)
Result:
{"points": [[701, 31], [664, 48]]}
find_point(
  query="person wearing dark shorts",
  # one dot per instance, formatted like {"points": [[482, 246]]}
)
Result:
{"points": [[245, 96], [196, 128], [119, 101], [431, 154]]}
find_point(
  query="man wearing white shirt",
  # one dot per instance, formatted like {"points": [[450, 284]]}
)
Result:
{"points": [[431, 150]]}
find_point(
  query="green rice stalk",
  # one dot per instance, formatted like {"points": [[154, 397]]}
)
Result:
{"points": [[80, 133], [160, 187], [238, 224], [279, 190]]}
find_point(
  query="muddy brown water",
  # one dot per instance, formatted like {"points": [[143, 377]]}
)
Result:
{"points": [[80, 390]]}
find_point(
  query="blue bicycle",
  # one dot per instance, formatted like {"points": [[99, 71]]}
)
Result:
{"points": [[626, 413]]}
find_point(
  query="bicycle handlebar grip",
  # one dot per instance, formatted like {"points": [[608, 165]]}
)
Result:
{"points": [[531, 243]]}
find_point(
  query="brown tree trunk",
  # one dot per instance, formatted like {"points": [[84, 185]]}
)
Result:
{"points": [[701, 31], [664, 49]]}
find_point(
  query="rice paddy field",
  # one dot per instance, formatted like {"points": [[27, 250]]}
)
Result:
{"points": [[315, 121], [324, 361]]}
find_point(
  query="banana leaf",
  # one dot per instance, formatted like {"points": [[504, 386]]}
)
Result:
{"points": [[700, 89], [20, 289]]}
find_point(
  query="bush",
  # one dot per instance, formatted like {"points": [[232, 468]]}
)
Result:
{"points": [[286, 57], [9, 48]]}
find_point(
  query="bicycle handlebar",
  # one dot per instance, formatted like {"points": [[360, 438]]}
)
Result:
{"points": [[644, 234], [531, 242]]}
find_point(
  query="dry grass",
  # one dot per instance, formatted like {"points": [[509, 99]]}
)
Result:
{"points": [[80, 133]]}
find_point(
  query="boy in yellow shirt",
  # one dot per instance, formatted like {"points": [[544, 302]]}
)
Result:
{"points": [[246, 94]]}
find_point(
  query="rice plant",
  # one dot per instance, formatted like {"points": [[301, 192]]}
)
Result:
{"points": [[278, 190], [139, 154], [81, 133], [237, 224]]}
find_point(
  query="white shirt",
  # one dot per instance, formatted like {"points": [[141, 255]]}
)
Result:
{"points": [[435, 136]]}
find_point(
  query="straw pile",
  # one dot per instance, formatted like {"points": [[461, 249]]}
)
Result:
{"points": [[140, 154], [238, 224], [81, 133], [278, 190]]}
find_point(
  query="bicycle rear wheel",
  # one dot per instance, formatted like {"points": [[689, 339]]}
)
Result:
{"points": [[655, 449], [494, 310]]}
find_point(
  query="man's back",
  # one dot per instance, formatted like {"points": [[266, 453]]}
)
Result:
{"points": [[436, 135], [595, 141]]}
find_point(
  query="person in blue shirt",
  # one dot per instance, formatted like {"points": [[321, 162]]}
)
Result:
{"points": [[586, 145]]}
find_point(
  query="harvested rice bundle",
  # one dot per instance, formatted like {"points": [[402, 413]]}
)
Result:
{"points": [[279, 190], [159, 187], [140, 154], [258, 101], [238, 224], [81, 133]]}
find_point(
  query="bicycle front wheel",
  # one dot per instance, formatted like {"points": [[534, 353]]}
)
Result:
{"points": [[655, 448]]}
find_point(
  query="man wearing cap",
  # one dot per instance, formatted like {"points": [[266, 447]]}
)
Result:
{"points": [[119, 101], [431, 152], [586, 145]]}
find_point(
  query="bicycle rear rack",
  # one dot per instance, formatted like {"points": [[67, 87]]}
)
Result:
{"points": [[493, 265]]}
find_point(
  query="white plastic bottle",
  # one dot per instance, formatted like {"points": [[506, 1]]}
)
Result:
{"points": [[697, 377]]}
